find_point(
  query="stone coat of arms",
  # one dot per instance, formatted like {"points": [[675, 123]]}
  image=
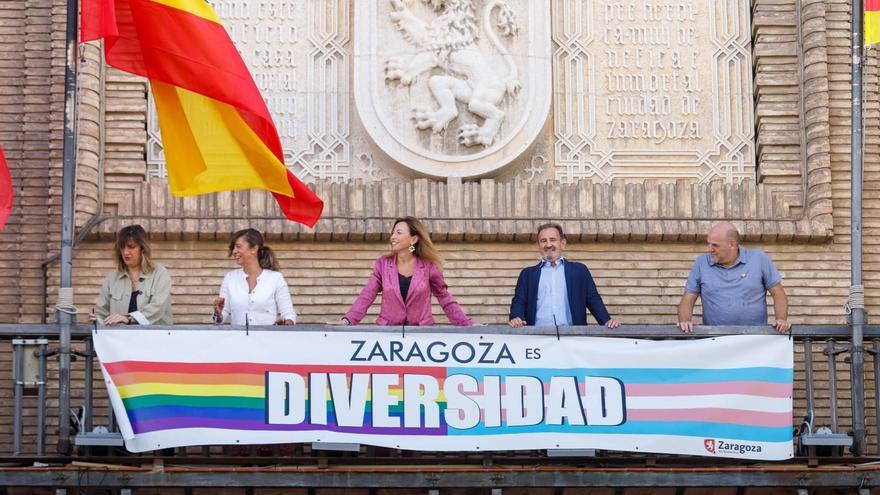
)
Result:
{"points": [[453, 87]]}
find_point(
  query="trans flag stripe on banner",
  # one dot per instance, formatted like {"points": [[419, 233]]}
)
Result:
{"points": [[725, 396]]}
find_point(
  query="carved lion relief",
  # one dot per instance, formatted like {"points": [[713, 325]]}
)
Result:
{"points": [[448, 43], [452, 87]]}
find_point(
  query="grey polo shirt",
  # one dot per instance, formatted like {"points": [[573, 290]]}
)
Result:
{"points": [[735, 295]]}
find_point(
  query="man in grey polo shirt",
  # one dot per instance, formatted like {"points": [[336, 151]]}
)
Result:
{"points": [[733, 282]]}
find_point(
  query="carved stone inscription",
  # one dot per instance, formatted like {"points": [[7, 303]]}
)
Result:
{"points": [[650, 65], [668, 90], [266, 34], [297, 53]]}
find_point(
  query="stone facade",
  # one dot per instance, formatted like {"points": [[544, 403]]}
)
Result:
{"points": [[778, 187], [639, 236], [801, 120]]}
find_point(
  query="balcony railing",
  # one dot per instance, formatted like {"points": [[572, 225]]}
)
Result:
{"points": [[823, 406]]}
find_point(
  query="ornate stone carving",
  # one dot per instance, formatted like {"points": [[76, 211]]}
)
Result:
{"points": [[155, 152], [369, 170], [611, 188], [653, 90], [298, 55], [535, 172], [449, 43], [424, 66]]}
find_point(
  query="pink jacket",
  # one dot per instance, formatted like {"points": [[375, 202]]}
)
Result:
{"points": [[427, 279]]}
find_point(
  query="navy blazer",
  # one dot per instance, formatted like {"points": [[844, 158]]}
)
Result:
{"points": [[582, 294]]}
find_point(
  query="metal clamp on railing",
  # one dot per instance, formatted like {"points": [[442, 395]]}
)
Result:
{"points": [[99, 436], [337, 446], [571, 452], [821, 442]]}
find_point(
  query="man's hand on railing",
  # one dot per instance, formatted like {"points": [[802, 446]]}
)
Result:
{"points": [[782, 326], [686, 326], [612, 323], [517, 322]]}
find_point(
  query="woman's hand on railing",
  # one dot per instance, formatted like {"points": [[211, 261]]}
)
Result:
{"points": [[116, 319], [219, 303], [287, 321]]}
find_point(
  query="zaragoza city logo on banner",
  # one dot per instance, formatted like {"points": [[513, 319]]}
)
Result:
{"points": [[709, 443], [453, 87]]}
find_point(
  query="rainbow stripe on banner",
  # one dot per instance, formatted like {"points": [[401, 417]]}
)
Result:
{"points": [[168, 396], [456, 392]]}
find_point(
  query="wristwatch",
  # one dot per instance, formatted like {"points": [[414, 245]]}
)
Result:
{"points": [[346, 320]]}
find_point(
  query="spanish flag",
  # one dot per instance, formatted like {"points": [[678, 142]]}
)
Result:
{"points": [[872, 22], [217, 132]]}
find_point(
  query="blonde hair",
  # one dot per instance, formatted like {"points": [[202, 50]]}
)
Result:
{"points": [[137, 235], [425, 247]]}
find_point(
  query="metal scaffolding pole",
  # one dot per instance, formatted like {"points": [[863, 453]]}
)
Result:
{"points": [[856, 299], [65, 291]]}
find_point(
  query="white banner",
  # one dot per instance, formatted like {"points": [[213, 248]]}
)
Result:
{"points": [[724, 396]]}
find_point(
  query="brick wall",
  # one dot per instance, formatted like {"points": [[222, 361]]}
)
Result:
{"points": [[110, 179], [640, 282], [803, 119]]}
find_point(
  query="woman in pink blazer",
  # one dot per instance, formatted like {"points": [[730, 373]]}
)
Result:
{"points": [[407, 277]]}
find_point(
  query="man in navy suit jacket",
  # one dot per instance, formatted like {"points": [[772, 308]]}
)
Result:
{"points": [[556, 291]]}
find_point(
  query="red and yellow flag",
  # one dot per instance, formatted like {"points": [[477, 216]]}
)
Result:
{"points": [[6, 194], [217, 133], [872, 22]]}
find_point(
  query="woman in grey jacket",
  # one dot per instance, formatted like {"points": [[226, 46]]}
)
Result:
{"points": [[137, 292]]}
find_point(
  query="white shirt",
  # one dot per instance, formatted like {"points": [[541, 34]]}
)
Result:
{"points": [[552, 304], [269, 301]]}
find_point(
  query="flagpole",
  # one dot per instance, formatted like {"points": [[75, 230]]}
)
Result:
{"points": [[65, 289], [856, 298]]}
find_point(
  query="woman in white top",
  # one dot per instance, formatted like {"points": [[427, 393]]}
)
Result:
{"points": [[256, 293]]}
